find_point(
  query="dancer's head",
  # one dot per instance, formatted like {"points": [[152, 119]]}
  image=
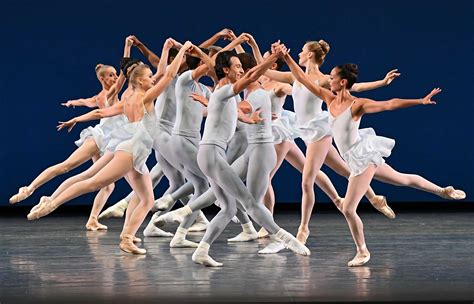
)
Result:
{"points": [[106, 74], [193, 62], [313, 52], [228, 65], [214, 49], [277, 65], [171, 55], [141, 76], [343, 77], [247, 60]]}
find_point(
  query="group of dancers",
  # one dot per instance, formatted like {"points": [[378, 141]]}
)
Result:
{"points": [[247, 135]]}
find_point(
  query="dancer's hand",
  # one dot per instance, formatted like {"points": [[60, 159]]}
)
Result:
{"points": [[280, 50], [68, 104], [250, 40], [226, 34], [187, 45], [168, 44], [255, 117], [199, 98], [129, 41], [231, 35], [194, 51], [67, 124], [427, 100], [135, 40], [391, 76], [275, 45]]}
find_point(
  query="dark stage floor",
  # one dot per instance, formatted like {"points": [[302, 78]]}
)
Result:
{"points": [[418, 256]]}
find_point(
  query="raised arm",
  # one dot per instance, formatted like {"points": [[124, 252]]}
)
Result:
{"points": [[366, 106], [255, 49], [223, 34], [152, 57], [204, 68], [298, 73], [366, 86], [114, 110], [232, 45], [90, 102], [285, 77], [170, 73], [161, 68], [238, 48]]}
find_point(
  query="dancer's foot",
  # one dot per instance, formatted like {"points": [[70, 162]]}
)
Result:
{"points": [[451, 193], [43, 199], [23, 193], [292, 243], [276, 245], [339, 203], [179, 240], [94, 225], [201, 256], [303, 234], [262, 233], [152, 231], [244, 237], [360, 258], [163, 203], [200, 224], [44, 209], [135, 239], [128, 246], [176, 216], [116, 210], [380, 203]]}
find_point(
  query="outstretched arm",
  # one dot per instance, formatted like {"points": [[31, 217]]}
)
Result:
{"points": [[366, 86], [365, 106], [255, 49], [170, 73], [298, 73], [90, 102], [223, 34], [114, 110], [152, 57]]}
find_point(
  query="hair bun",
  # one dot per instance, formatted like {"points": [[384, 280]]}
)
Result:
{"points": [[353, 68], [98, 66], [324, 46]]}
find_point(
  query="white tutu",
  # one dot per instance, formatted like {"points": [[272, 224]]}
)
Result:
{"points": [[285, 127], [101, 132], [316, 128], [91, 132], [134, 139], [370, 149]]}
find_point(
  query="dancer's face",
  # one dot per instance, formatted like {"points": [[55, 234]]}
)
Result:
{"points": [[147, 81], [304, 56], [235, 71], [110, 77], [336, 83]]}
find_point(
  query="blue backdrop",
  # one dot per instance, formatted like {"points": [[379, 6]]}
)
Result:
{"points": [[50, 48]]}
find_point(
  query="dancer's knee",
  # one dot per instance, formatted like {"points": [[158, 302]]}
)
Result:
{"points": [[307, 185]]}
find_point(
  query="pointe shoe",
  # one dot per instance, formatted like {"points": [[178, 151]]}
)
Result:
{"points": [[23, 193], [43, 210], [359, 260], [135, 239], [262, 233], [128, 246], [451, 193], [339, 203], [302, 235], [94, 225], [380, 203], [163, 203], [43, 199]]}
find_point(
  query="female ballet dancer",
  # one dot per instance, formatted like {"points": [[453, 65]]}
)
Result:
{"points": [[130, 153], [226, 185], [91, 142], [313, 125], [361, 149]]}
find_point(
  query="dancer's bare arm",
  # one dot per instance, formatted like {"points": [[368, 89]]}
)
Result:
{"points": [[366, 86], [223, 34], [152, 57]]}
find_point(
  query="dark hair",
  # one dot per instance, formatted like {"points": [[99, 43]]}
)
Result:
{"points": [[280, 63], [172, 54], [247, 60], [348, 71], [223, 61], [127, 64], [193, 62]]}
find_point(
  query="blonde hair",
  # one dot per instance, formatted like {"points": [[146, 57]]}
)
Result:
{"points": [[320, 49], [137, 71], [100, 69]]}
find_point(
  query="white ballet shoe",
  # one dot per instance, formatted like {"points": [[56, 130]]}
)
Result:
{"points": [[359, 260], [200, 224], [380, 203], [163, 203], [176, 216], [23, 193], [178, 242], [235, 220], [275, 246], [451, 193], [292, 243], [152, 231], [204, 259], [116, 210], [243, 237], [127, 245]]}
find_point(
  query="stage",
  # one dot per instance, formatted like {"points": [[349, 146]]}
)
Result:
{"points": [[420, 256]]}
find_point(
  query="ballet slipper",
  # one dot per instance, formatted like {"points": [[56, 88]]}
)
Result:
{"points": [[43, 199], [451, 193], [43, 210], [116, 210], [200, 224], [23, 193], [275, 246], [262, 233], [152, 231], [135, 239], [360, 259], [302, 235], [178, 242], [243, 237], [163, 203], [292, 243], [176, 216], [380, 203], [128, 246], [203, 258], [94, 225]]}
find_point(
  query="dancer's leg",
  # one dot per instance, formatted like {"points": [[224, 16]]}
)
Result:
{"points": [[281, 150]]}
